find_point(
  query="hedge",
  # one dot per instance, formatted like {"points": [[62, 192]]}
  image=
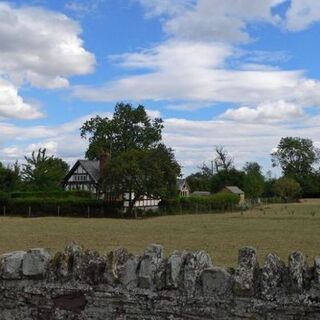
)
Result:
{"points": [[61, 207], [51, 194], [218, 202]]}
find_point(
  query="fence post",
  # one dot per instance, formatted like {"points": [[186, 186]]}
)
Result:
{"points": [[4, 211], [58, 211], [29, 211], [88, 211]]}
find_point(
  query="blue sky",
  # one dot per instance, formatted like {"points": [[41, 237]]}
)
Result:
{"points": [[238, 73]]}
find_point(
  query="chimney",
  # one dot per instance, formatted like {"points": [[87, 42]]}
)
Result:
{"points": [[104, 158]]}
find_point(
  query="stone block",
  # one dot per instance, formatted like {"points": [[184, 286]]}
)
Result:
{"points": [[244, 284], [11, 265], [35, 262], [216, 282]]}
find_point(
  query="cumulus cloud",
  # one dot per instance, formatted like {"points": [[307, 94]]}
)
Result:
{"points": [[41, 47], [212, 20], [301, 14], [272, 111], [192, 140], [13, 106], [198, 72]]}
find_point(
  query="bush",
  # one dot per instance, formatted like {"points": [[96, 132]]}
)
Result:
{"points": [[287, 188]]}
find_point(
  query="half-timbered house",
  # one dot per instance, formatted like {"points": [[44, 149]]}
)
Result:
{"points": [[87, 175]]}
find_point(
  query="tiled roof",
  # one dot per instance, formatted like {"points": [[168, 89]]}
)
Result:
{"points": [[92, 167]]}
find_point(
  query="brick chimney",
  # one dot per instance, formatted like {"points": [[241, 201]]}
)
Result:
{"points": [[104, 158]]}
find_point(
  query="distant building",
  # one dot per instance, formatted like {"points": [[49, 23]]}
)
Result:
{"points": [[87, 175], [235, 190], [183, 187]]}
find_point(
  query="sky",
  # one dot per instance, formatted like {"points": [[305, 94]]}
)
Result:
{"points": [[237, 73]]}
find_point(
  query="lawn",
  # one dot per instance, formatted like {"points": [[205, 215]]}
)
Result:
{"points": [[273, 228]]}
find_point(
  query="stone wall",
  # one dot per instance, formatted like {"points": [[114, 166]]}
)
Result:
{"points": [[79, 284]]}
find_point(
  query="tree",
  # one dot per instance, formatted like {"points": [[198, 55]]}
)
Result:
{"points": [[296, 156], [43, 172], [9, 178], [231, 177], [140, 173], [223, 161], [287, 188], [253, 183], [129, 128]]}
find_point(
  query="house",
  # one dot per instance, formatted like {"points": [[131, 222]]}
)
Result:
{"points": [[183, 187], [87, 175], [235, 190]]}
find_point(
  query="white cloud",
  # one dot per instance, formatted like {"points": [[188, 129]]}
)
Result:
{"points": [[198, 73], [13, 106], [272, 111], [83, 7], [212, 20], [192, 140], [301, 14], [41, 47]]}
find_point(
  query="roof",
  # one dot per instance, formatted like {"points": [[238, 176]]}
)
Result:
{"points": [[234, 189], [92, 167], [181, 183]]}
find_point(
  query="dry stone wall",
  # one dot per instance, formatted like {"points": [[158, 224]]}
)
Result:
{"points": [[81, 284]]}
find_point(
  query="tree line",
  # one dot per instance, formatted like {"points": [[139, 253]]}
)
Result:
{"points": [[296, 157]]}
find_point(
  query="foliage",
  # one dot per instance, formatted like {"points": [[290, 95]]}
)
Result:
{"points": [[232, 177], [9, 177], [199, 181], [253, 183], [4, 198], [77, 207], [129, 128], [287, 188], [221, 174], [216, 202], [139, 173], [297, 158], [74, 194], [43, 172]]}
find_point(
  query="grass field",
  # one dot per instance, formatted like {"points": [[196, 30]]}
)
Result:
{"points": [[273, 228]]}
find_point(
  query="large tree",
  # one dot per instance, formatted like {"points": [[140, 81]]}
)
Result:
{"points": [[140, 173], [140, 164], [297, 158], [129, 128], [43, 172]]}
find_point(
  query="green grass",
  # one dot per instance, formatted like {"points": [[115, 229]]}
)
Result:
{"points": [[275, 228]]}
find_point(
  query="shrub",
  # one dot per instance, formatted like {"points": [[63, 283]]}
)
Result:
{"points": [[287, 188]]}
